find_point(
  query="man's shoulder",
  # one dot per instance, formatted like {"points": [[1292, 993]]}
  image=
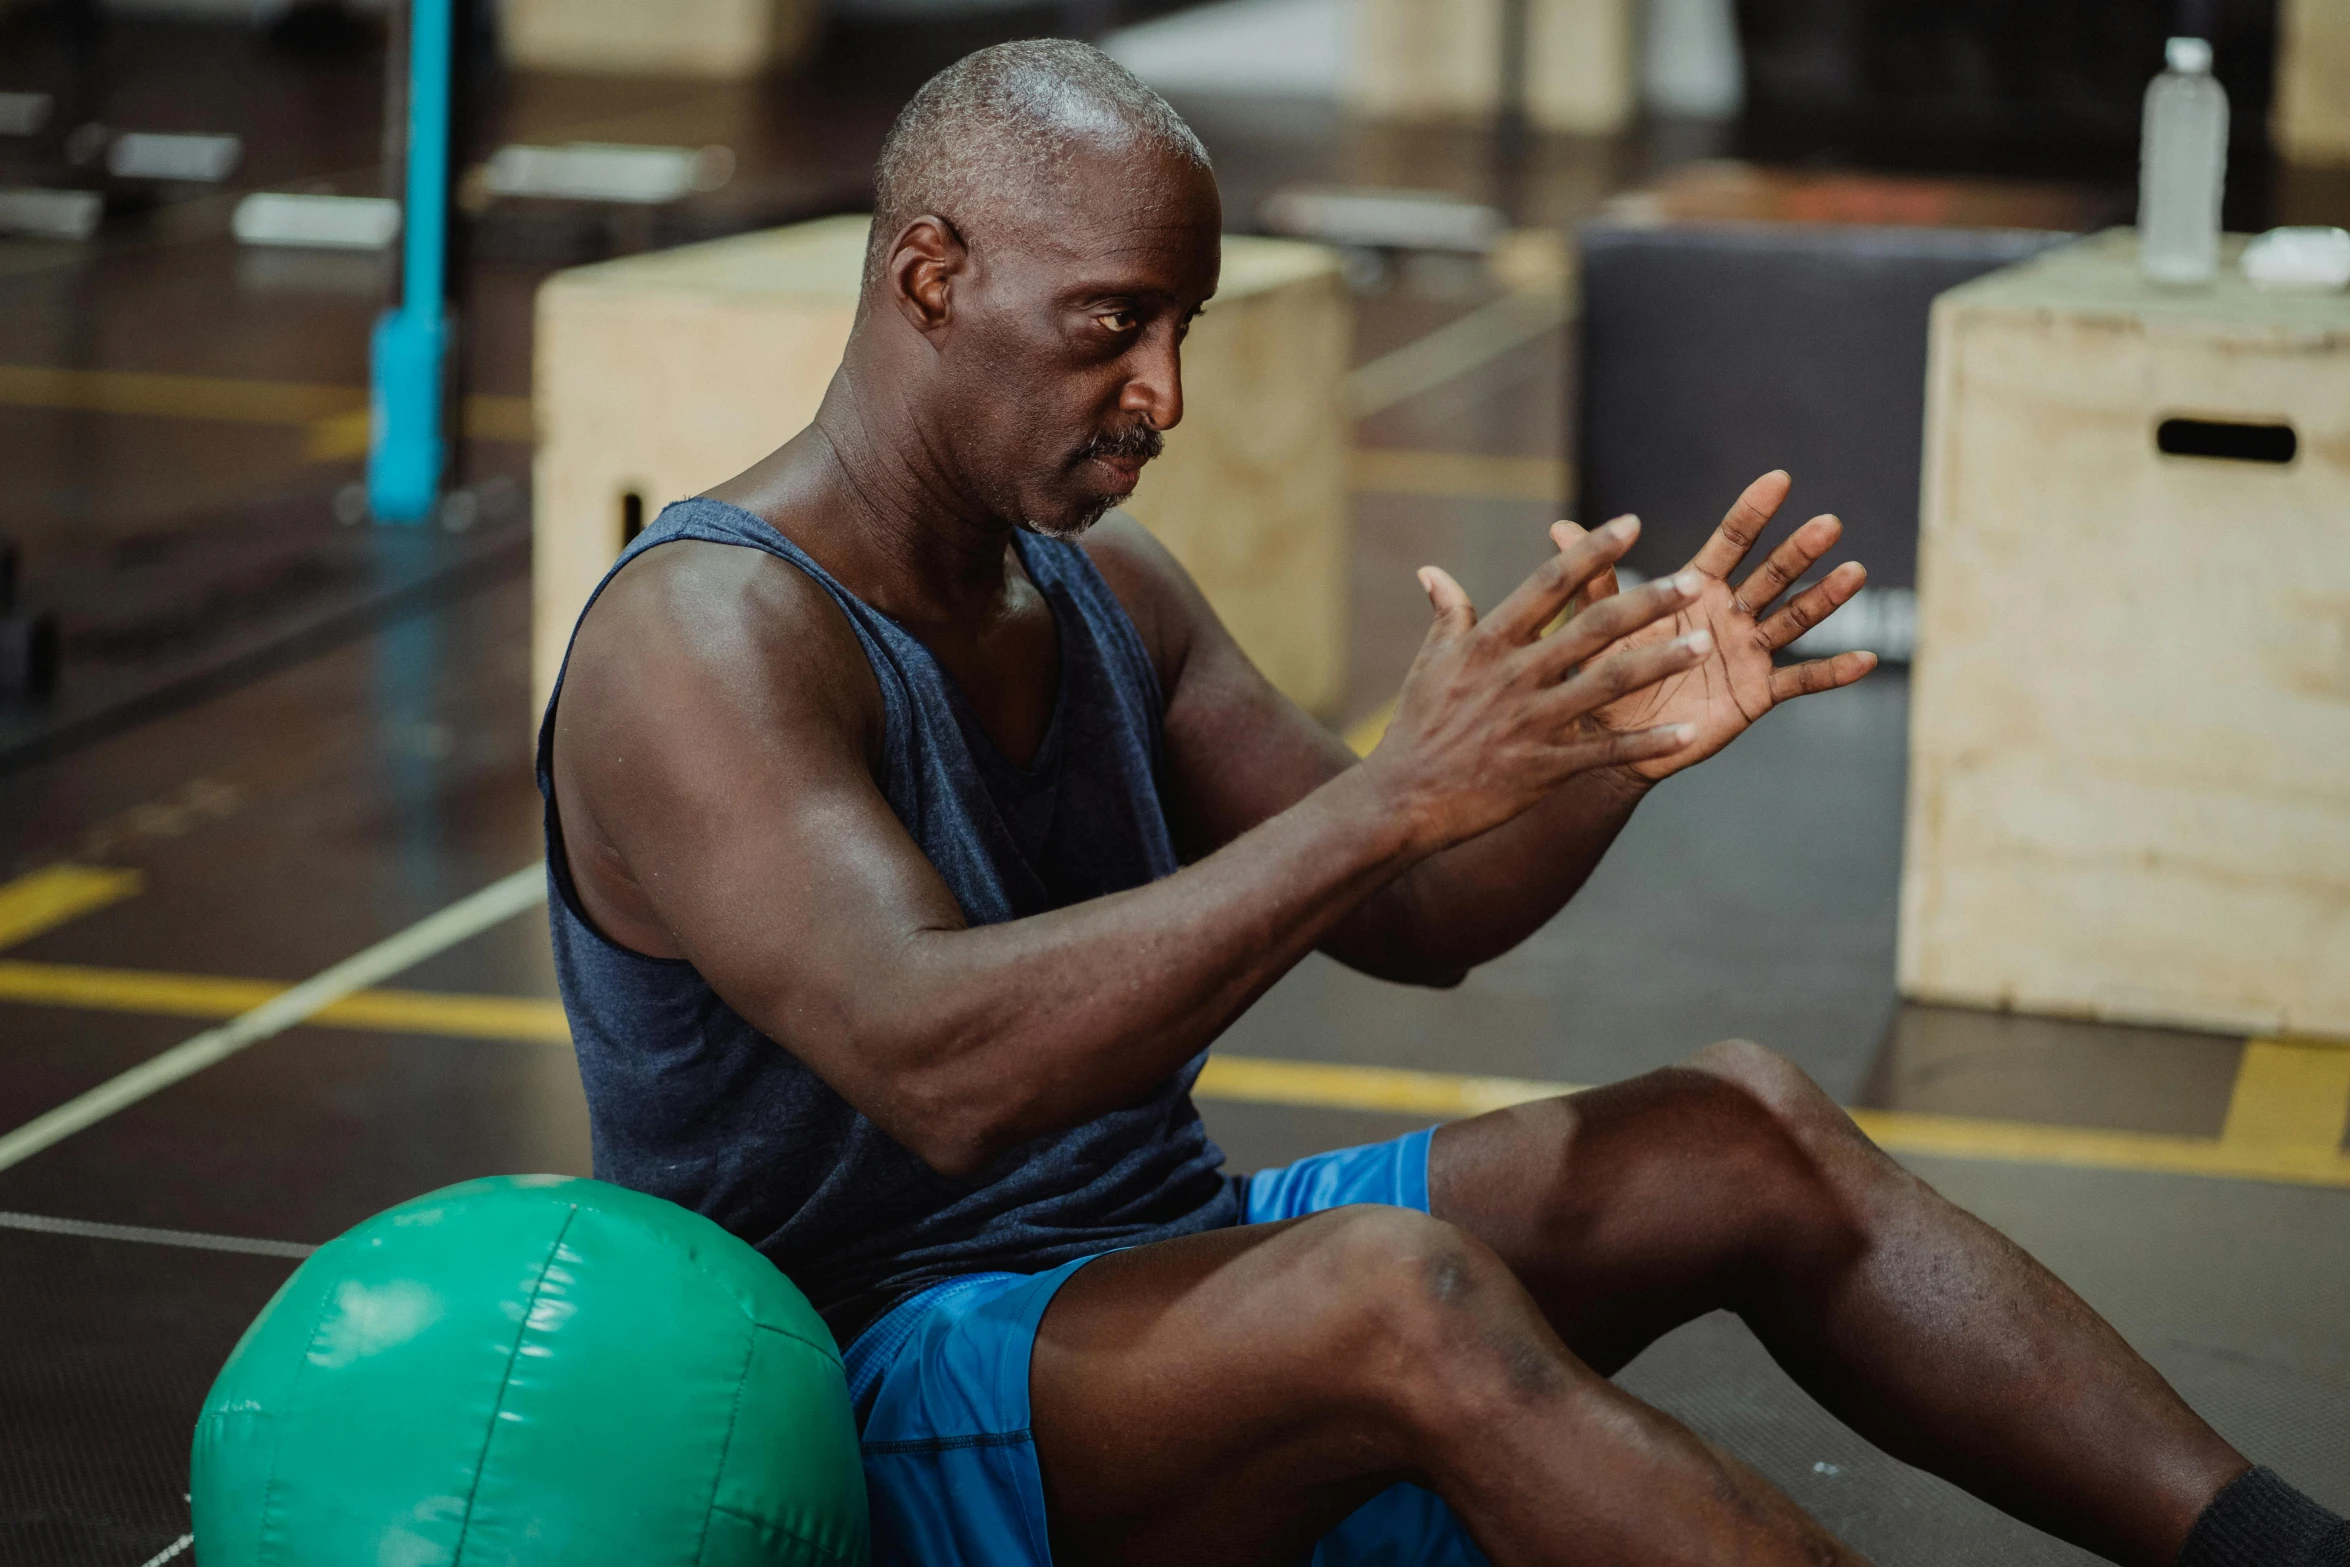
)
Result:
{"points": [[723, 621], [702, 597]]}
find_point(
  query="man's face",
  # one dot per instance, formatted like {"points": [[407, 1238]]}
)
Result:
{"points": [[1062, 363]]}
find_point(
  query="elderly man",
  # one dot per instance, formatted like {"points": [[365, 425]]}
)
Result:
{"points": [[915, 828]]}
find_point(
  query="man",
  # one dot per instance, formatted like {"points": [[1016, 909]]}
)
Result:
{"points": [[915, 829]]}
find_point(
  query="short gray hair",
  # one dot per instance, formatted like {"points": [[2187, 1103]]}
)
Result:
{"points": [[1000, 118]]}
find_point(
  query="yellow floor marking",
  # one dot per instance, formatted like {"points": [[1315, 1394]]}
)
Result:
{"points": [[345, 435], [2296, 1157], [2027, 1142], [2290, 1094], [1327, 1085], [287, 1007], [334, 418], [176, 396], [1366, 732], [45, 899], [209, 996], [1388, 470], [337, 437]]}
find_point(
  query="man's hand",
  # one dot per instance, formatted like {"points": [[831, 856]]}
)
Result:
{"points": [[1494, 715], [1717, 696]]}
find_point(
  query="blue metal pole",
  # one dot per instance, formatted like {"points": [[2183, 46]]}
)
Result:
{"points": [[406, 455]]}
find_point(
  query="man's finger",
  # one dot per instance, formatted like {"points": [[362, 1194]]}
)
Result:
{"points": [[1564, 533], [1635, 745], [1454, 611], [1813, 605], [1603, 680], [1821, 674], [1530, 606], [1789, 561], [1743, 524], [1612, 619]]}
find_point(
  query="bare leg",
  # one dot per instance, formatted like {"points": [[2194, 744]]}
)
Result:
{"points": [[1734, 1182], [1230, 1397]]}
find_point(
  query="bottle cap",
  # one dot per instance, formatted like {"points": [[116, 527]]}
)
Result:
{"points": [[2188, 56]]}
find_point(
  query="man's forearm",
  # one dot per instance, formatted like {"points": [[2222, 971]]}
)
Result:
{"points": [[1476, 900], [988, 1036]]}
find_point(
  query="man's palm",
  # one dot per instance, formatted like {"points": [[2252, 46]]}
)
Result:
{"points": [[1737, 682]]}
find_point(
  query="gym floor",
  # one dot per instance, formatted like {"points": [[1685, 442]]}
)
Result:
{"points": [[294, 740]]}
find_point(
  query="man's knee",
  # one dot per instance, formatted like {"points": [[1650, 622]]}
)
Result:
{"points": [[1419, 1313], [1783, 1099], [1788, 1145]]}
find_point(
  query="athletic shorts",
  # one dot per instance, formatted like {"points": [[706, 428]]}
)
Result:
{"points": [[940, 1385]]}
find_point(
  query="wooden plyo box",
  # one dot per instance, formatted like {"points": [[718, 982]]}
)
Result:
{"points": [[657, 376], [2129, 786], [723, 40], [1441, 60], [2311, 117]]}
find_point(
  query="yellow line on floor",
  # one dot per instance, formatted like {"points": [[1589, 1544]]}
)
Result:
{"points": [[1339, 1086], [1367, 731], [211, 996], [486, 419], [175, 396], [1317, 1085], [334, 417], [2290, 1094], [286, 1007], [1388, 470], [45, 899], [2026, 1142]]}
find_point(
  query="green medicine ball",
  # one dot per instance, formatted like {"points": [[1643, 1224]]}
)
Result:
{"points": [[527, 1370]]}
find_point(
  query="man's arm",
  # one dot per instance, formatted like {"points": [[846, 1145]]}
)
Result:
{"points": [[714, 738], [1241, 752]]}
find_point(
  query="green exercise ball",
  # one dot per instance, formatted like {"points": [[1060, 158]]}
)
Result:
{"points": [[526, 1370]]}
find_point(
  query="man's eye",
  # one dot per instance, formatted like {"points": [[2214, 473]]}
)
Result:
{"points": [[1117, 320]]}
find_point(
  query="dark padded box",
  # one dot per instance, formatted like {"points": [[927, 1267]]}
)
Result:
{"points": [[1713, 353]]}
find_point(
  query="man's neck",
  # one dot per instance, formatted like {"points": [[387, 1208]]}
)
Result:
{"points": [[875, 506]]}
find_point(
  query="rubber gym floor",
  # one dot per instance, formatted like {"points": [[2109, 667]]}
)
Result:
{"points": [[286, 742]]}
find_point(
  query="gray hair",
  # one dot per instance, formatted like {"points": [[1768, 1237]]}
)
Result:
{"points": [[1002, 118]]}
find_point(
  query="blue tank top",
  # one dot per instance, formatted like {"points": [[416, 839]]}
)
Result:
{"points": [[688, 1101]]}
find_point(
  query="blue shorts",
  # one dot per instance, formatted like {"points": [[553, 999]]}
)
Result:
{"points": [[940, 1385]]}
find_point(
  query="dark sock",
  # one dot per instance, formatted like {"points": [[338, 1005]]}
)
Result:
{"points": [[2260, 1521]]}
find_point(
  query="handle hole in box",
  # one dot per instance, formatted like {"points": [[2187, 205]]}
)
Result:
{"points": [[632, 517], [2227, 440]]}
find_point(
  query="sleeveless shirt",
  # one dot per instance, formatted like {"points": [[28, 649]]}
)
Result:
{"points": [[688, 1101]]}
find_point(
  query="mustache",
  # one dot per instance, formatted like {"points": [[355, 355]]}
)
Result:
{"points": [[1137, 440]]}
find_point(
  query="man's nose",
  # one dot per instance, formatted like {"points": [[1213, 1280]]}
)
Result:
{"points": [[1155, 389]]}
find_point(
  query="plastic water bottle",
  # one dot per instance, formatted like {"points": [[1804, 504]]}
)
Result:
{"points": [[2182, 167]]}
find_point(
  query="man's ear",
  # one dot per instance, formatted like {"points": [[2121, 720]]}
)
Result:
{"points": [[924, 263]]}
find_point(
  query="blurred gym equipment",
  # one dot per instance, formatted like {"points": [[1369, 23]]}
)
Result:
{"points": [[1714, 352], [408, 449], [28, 641], [2131, 720], [2312, 116]]}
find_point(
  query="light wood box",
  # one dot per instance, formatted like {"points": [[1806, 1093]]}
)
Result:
{"points": [[2311, 118], [721, 40], [2129, 788], [657, 376], [1441, 60]]}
